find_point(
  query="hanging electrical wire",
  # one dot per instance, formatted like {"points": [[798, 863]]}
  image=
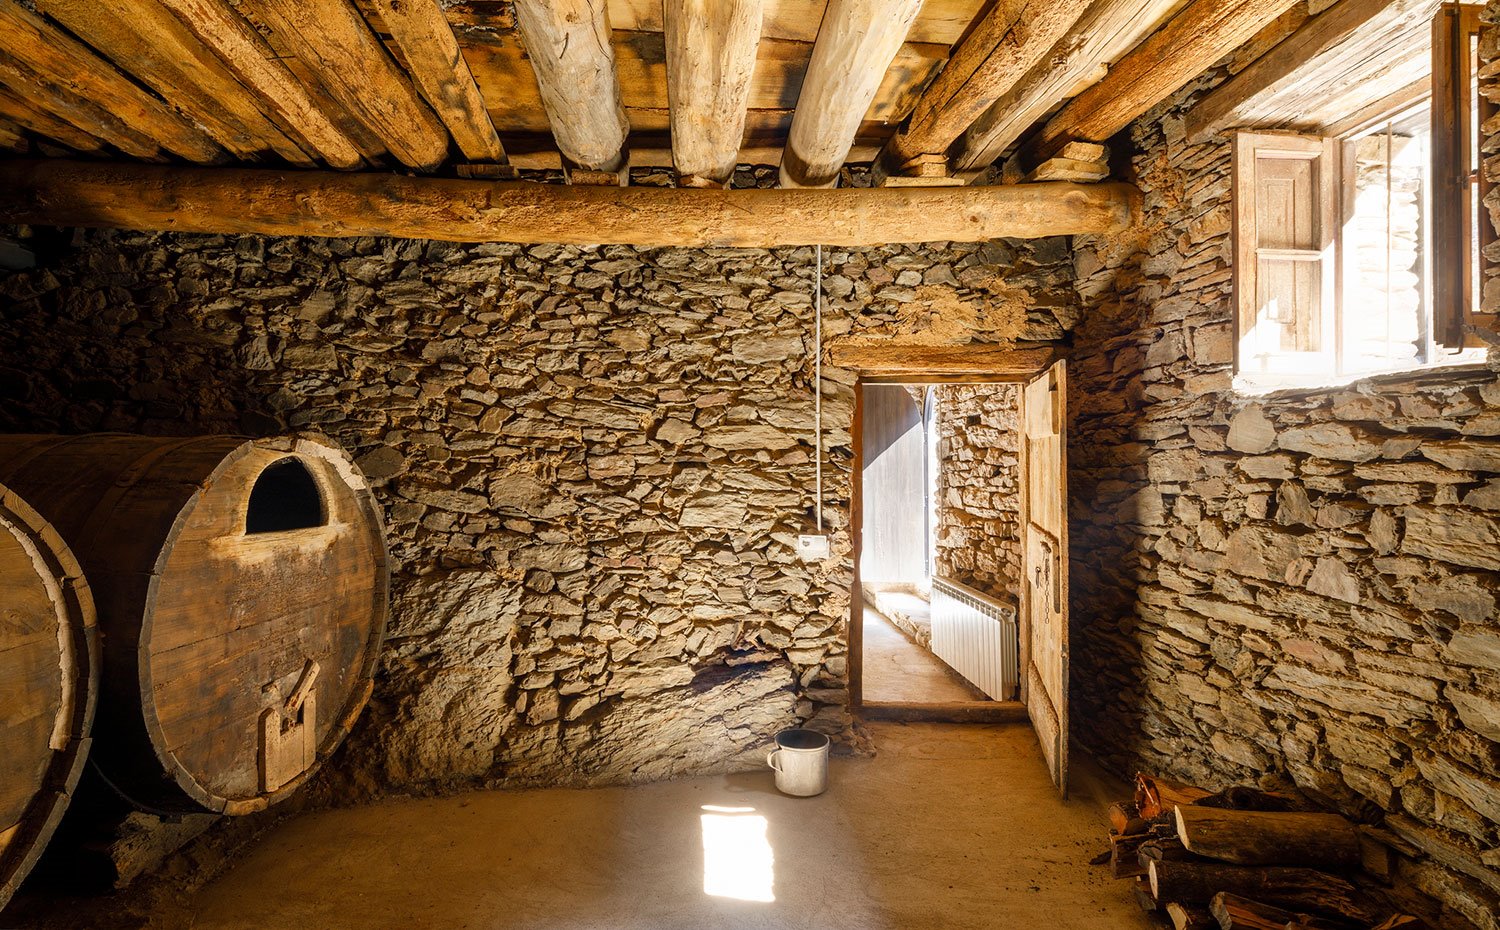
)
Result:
{"points": [[818, 381]]}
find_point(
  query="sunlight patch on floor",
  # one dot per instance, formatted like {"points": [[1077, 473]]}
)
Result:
{"points": [[737, 858]]}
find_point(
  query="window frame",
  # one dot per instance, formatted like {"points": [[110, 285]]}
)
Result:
{"points": [[1457, 163], [1250, 147]]}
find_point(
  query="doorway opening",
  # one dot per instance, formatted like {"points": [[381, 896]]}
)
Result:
{"points": [[945, 525], [940, 551]]}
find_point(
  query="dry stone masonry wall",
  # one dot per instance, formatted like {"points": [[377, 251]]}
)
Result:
{"points": [[1300, 586], [978, 494], [593, 462]]}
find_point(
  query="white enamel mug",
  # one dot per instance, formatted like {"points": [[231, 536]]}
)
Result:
{"points": [[800, 761]]}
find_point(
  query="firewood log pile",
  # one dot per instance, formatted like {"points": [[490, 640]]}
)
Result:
{"points": [[1243, 859]]}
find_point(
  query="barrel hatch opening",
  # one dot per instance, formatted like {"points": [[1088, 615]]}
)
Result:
{"points": [[285, 497]]}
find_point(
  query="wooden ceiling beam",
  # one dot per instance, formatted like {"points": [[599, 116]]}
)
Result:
{"points": [[11, 137], [311, 203], [332, 38], [1283, 66], [990, 61], [241, 49], [568, 42], [62, 62], [856, 43], [21, 112], [63, 105], [1105, 30], [1189, 44], [145, 40], [711, 49], [437, 65]]}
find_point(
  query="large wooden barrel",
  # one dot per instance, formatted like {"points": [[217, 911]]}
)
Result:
{"points": [[49, 680], [241, 589]]}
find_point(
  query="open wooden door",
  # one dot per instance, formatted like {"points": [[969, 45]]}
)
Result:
{"points": [[1044, 565]]}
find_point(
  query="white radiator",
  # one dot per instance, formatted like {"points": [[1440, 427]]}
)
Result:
{"points": [[977, 636]]}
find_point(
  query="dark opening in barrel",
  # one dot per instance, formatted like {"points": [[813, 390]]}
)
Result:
{"points": [[242, 591]]}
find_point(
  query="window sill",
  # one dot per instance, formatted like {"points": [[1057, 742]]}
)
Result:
{"points": [[1262, 383]]}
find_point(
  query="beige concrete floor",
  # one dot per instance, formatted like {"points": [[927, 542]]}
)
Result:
{"points": [[897, 669], [950, 826]]}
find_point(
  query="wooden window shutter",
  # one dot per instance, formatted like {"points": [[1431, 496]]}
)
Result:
{"points": [[1285, 221], [1461, 225]]}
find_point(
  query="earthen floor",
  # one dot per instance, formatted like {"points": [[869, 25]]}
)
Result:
{"points": [[897, 669], [949, 826]]}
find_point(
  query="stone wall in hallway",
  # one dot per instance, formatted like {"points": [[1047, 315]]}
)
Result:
{"points": [[978, 496], [1299, 587], [593, 461]]}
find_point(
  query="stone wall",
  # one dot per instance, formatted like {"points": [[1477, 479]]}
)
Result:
{"points": [[1301, 586], [978, 494], [593, 462]]}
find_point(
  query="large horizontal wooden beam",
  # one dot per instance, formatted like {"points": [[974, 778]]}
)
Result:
{"points": [[314, 203], [894, 362]]}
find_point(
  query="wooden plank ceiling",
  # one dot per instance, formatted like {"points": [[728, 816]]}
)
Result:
{"points": [[436, 86]]}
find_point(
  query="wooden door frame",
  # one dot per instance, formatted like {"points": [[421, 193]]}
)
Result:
{"points": [[898, 364]]}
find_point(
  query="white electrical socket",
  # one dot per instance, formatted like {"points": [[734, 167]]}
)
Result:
{"points": [[812, 547]]}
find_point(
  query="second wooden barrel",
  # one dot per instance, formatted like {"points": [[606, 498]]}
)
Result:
{"points": [[241, 587], [49, 679]]}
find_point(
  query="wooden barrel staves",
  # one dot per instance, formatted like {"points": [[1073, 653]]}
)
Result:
{"points": [[49, 680], [241, 587]]}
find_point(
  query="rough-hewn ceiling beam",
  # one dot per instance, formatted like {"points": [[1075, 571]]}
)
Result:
{"points": [[568, 42], [10, 136], [422, 32], [711, 47], [333, 39], [1285, 64], [997, 54], [243, 52], [1188, 45], [856, 43], [1105, 30], [145, 40], [22, 113], [312, 203], [87, 91]]}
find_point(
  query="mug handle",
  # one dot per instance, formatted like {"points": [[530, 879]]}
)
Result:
{"points": [[771, 759]]}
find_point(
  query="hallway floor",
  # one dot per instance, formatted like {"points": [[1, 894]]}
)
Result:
{"points": [[897, 669], [950, 825]]}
